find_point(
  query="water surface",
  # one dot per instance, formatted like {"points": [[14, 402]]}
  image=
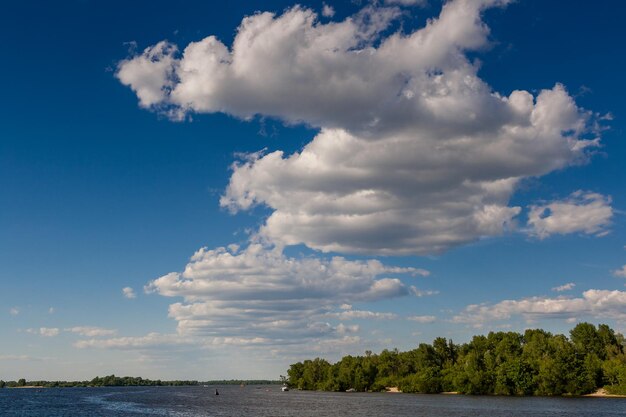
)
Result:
{"points": [[269, 401]]}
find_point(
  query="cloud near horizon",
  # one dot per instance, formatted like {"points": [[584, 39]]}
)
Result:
{"points": [[258, 295], [600, 304], [91, 331], [45, 331], [416, 154]]}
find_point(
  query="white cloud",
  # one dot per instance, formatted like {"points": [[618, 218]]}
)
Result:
{"points": [[423, 319], [14, 311], [148, 74], [327, 10], [416, 153], [151, 340], [620, 272], [593, 303], [51, 310], [361, 314], [128, 292], [91, 331], [407, 2], [564, 287], [49, 331], [582, 212], [422, 293], [259, 293]]}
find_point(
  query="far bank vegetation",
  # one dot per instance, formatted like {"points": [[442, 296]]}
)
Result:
{"points": [[501, 363]]}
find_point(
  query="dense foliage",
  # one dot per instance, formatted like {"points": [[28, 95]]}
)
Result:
{"points": [[126, 381], [501, 363]]}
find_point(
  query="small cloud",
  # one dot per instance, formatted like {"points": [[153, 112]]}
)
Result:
{"points": [[91, 331], [581, 212], [14, 311], [348, 314], [419, 293], [129, 292], [132, 47], [328, 11], [139, 342], [49, 331], [421, 272], [422, 319], [420, 3], [51, 310], [564, 287], [620, 272]]}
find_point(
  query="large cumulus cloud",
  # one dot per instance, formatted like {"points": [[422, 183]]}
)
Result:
{"points": [[416, 153]]}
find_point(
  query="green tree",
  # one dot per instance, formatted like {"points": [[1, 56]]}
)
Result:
{"points": [[586, 340]]}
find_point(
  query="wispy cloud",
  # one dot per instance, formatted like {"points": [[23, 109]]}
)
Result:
{"points": [[564, 287], [361, 314], [45, 331], [620, 272], [423, 319], [151, 340], [91, 331]]}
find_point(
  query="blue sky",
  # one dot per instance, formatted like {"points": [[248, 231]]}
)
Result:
{"points": [[445, 181]]}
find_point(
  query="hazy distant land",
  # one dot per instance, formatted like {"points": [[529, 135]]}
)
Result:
{"points": [[129, 381]]}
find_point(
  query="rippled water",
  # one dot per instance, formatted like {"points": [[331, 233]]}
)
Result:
{"points": [[269, 401]]}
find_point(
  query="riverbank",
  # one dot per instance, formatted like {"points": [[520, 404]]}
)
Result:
{"points": [[601, 393]]}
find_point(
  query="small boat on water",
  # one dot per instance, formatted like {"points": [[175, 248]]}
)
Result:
{"points": [[284, 388]]}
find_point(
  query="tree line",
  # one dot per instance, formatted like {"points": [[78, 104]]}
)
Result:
{"points": [[501, 363], [127, 381]]}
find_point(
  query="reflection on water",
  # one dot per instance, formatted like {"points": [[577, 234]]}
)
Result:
{"points": [[269, 401]]}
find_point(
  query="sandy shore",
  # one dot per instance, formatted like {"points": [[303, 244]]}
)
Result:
{"points": [[602, 393]]}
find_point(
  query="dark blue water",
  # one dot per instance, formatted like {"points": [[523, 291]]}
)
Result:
{"points": [[269, 401]]}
